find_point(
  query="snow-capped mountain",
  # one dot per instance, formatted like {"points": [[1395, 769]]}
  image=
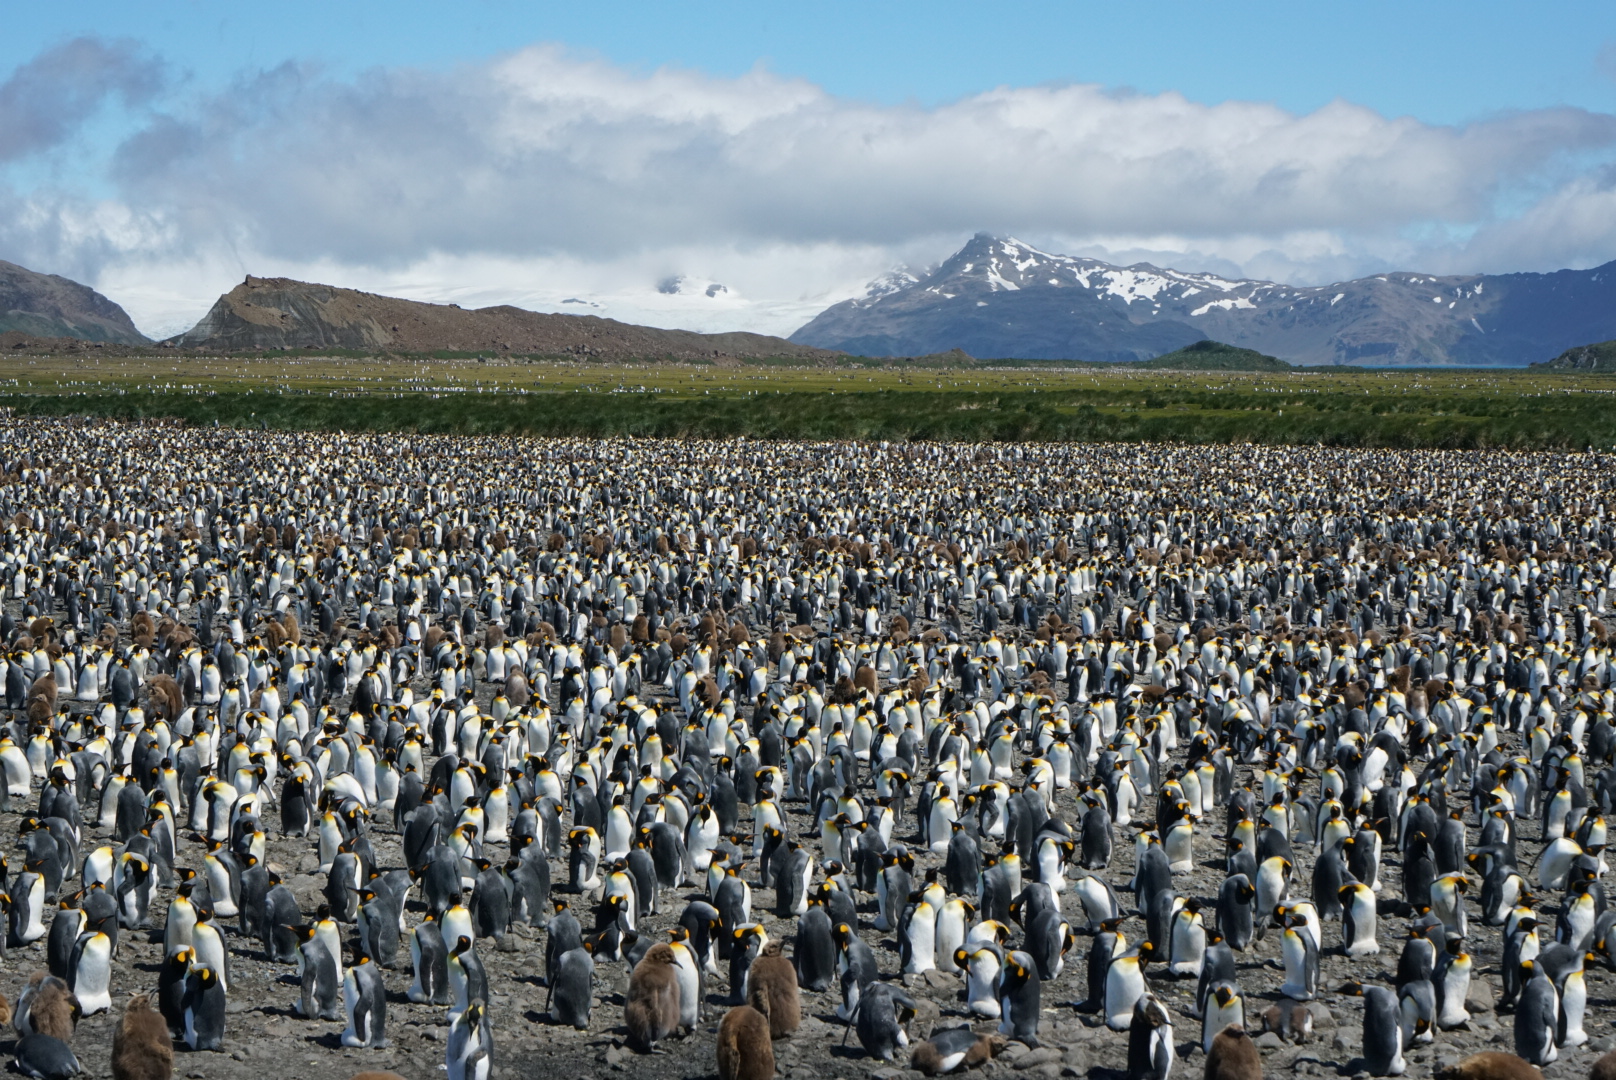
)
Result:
{"points": [[999, 297]]}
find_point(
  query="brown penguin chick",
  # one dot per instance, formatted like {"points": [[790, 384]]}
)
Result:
{"points": [[5, 1010], [1234, 1056], [1494, 1065], [141, 1048], [744, 1049], [164, 697], [773, 981], [1290, 1020], [52, 1008], [954, 1049], [651, 1010], [1604, 1068]]}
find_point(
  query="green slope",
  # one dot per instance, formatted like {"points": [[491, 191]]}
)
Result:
{"points": [[1214, 356], [1600, 356]]}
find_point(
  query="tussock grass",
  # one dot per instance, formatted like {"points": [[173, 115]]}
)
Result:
{"points": [[1399, 412]]}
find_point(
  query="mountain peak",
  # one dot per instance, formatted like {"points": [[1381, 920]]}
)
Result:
{"points": [[998, 296]]}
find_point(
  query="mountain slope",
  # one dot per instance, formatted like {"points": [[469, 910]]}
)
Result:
{"points": [[999, 297], [1598, 357], [279, 313], [1215, 356], [45, 305]]}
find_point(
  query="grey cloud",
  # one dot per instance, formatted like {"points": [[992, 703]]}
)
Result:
{"points": [[45, 100], [541, 153], [542, 156]]}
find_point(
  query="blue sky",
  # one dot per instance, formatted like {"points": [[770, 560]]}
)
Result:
{"points": [[542, 153], [1441, 62]]}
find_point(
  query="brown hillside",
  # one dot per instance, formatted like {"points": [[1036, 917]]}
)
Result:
{"points": [[278, 313]]}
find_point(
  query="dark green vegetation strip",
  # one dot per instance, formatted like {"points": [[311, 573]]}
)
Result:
{"points": [[1345, 415]]}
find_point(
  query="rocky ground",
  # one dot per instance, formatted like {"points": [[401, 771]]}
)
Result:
{"points": [[266, 1037]]}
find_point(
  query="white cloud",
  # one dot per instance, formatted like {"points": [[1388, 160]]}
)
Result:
{"points": [[541, 176]]}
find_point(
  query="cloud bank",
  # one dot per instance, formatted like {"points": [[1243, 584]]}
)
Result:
{"points": [[543, 176]]}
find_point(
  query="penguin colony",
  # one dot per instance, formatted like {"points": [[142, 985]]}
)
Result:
{"points": [[526, 756]]}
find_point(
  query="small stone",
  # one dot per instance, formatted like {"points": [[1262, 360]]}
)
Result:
{"points": [[238, 1055], [1015, 1051], [926, 1016], [1269, 1040], [1323, 1018], [430, 1034], [1485, 1021], [1041, 1056], [888, 1073], [1339, 1043], [614, 1055], [1604, 1045], [940, 981]]}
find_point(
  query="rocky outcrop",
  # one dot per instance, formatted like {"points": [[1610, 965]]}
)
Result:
{"points": [[279, 313], [49, 306]]}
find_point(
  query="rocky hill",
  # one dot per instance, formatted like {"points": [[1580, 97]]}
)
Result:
{"points": [[1215, 356], [998, 297], [49, 306], [1599, 357], [278, 313]]}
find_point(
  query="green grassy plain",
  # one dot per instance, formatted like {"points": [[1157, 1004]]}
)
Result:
{"points": [[852, 399]]}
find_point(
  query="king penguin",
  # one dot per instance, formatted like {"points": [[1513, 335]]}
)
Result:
{"points": [[1019, 999], [1224, 1008], [1150, 1040], [204, 1009], [364, 996], [1358, 920], [572, 988], [1301, 956], [1537, 1016], [92, 973], [1124, 984], [1382, 1032]]}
